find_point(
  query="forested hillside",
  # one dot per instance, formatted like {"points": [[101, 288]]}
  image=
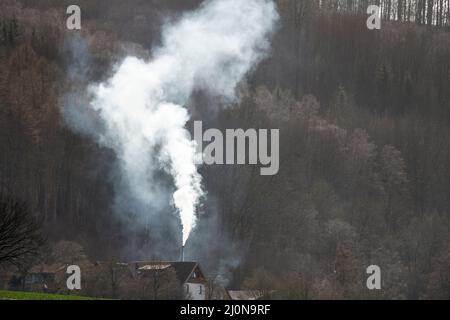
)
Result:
{"points": [[364, 120]]}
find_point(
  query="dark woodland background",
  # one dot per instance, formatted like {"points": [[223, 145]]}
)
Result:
{"points": [[365, 143]]}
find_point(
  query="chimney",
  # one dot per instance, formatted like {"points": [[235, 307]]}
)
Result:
{"points": [[182, 254]]}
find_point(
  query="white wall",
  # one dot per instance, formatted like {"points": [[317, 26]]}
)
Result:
{"points": [[196, 291]]}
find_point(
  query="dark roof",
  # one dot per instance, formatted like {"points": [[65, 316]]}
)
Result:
{"points": [[244, 295], [183, 270]]}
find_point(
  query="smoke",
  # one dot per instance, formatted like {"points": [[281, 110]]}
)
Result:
{"points": [[142, 107]]}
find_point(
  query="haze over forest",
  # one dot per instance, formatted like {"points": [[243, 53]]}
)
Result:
{"points": [[364, 119]]}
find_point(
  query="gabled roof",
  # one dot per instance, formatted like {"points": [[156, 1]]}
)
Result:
{"points": [[244, 295], [183, 270], [47, 269]]}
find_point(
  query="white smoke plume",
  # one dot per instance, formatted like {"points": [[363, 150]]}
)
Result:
{"points": [[142, 106]]}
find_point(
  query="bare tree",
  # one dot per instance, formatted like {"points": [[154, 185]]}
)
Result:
{"points": [[115, 274], [160, 284], [213, 287], [20, 236]]}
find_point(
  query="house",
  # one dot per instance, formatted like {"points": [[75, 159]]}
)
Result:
{"points": [[188, 274], [39, 278]]}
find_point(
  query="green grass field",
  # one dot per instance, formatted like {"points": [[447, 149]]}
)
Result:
{"points": [[17, 295]]}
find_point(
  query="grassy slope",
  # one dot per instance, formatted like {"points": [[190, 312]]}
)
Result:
{"points": [[16, 295]]}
